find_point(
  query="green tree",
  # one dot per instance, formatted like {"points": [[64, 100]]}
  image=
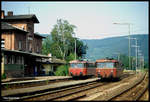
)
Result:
{"points": [[62, 42], [46, 45], [125, 60]]}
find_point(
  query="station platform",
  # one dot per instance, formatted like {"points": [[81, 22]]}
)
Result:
{"points": [[35, 79], [45, 87]]}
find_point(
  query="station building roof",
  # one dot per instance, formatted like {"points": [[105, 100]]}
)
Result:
{"points": [[6, 26], [21, 17]]}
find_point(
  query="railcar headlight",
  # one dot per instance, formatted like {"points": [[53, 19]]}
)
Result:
{"points": [[99, 71]]}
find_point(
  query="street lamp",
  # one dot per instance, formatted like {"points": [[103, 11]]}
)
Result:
{"points": [[129, 24]]}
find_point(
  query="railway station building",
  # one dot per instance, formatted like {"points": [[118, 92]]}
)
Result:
{"points": [[21, 48]]}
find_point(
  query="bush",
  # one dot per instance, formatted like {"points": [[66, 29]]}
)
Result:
{"points": [[3, 76], [62, 70], [70, 57]]}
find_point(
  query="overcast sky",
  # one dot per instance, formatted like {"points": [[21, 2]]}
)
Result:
{"points": [[94, 20]]}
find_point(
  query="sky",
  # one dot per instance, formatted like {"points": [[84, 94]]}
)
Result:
{"points": [[94, 20]]}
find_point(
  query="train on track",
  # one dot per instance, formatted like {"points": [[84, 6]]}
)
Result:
{"points": [[102, 68], [82, 68], [106, 68]]}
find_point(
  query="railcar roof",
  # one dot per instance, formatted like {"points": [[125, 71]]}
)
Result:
{"points": [[106, 60], [78, 61]]}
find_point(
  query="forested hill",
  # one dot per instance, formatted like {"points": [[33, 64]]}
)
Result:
{"points": [[108, 47]]}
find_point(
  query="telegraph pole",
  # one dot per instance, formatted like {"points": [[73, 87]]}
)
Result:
{"points": [[136, 50], [118, 56], [75, 47], [129, 50], [139, 54], [29, 9], [143, 60], [129, 47]]}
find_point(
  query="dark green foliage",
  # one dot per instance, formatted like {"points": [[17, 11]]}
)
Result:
{"points": [[3, 76], [62, 70]]}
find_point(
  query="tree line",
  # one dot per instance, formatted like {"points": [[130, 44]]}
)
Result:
{"points": [[125, 60]]}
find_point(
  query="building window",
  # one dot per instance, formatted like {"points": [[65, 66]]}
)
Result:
{"points": [[20, 45], [5, 59], [37, 48], [9, 59], [2, 43], [22, 60], [17, 59], [13, 59], [30, 47]]}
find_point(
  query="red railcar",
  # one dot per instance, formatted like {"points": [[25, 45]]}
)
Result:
{"points": [[81, 68], [106, 68]]}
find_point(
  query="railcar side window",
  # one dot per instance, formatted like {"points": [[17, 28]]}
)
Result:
{"points": [[77, 65]]}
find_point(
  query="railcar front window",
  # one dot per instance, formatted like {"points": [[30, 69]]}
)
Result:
{"points": [[105, 65], [77, 65], [110, 65], [100, 65]]}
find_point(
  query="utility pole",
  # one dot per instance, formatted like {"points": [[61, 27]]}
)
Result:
{"points": [[129, 47], [143, 60], [140, 64], [29, 9], [129, 50], [139, 54], [118, 56], [75, 46], [136, 49]]}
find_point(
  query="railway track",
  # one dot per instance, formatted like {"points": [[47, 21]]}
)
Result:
{"points": [[122, 91], [20, 94], [66, 93], [73, 92], [134, 93]]}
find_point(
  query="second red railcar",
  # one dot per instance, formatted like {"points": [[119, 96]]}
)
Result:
{"points": [[106, 68]]}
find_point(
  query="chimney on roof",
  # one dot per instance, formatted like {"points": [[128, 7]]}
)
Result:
{"points": [[2, 14], [10, 13]]}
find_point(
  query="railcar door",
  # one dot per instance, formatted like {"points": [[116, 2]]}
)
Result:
{"points": [[119, 69], [91, 69]]}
